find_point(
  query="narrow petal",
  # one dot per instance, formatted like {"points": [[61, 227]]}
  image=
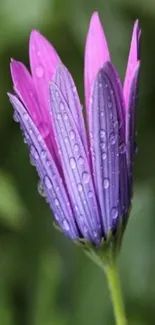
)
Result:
{"points": [[130, 120], [96, 53], [66, 84], [24, 88], [43, 61], [47, 170], [107, 138], [75, 166], [132, 60]]}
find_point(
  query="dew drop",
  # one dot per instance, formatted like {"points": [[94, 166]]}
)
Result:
{"points": [[34, 153], [25, 116], [62, 106], [41, 189], [48, 163], [39, 137], [114, 213], [16, 116], [65, 225], [112, 138], [43, 154], [104, 155], [90, 194], [72, 163], [106, 183], [103, 145], [80, 187], [66, 139], [74, 89], [102, 134], [76, 147], [59, 116], [85, 177], [81, 160], [109, 104], [39, 71], [65, 116], [56, 202], [122, 148], [72, 134], [44, 129], [48, 183]]}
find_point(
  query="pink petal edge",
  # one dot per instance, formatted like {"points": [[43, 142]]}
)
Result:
{"points": [[132, 61], [96, 53], [43, 62]]}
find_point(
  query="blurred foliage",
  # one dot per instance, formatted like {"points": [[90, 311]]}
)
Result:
{"points": [[44, 278]]}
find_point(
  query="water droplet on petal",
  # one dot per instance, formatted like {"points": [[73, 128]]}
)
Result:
{"points": [[59, 116], [65, 116], [122, 148], [114, 213], [56, 202], [25, 116], [112, 138], [104, 155], [43, 154], [90, 194], [72, 134], [41, 189], [72, 163], [39, 71], [65, 225], [80, 187], [44, 129], [85, 177], [34, 153], [81, 160], [16, 116], [109, 104], [76, 147], [62, 106], [102, 134], [66, 139], [103, 145], [106, 183], [48, 183]]}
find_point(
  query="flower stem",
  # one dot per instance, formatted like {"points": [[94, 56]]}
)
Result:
{"points": [[115, 291]]}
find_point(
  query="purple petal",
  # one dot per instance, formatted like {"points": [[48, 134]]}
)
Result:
{"points": [[96, 53], [107, 137], [75, 166], [65, 82], [47, 170], [132, 61], [130, 119]]}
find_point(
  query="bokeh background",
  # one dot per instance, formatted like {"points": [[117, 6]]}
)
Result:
{"points": [[44, 278]]}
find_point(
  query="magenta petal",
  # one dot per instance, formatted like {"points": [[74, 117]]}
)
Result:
{"points": [[65, 82], [43, 61], [132, 61], [75, 167], [131, 117], [48, 172], [24, 88], [96, 53]]}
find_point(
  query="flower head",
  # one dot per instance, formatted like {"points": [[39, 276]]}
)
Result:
{"points": [[87, 176]]}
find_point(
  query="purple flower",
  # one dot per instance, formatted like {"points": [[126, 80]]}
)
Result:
{"points": [[86, 176]]}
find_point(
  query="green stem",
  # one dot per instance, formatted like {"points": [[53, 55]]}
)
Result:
{"points": [[116, 295]]}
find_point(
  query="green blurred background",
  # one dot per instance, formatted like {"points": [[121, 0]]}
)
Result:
{"points": [[44, 278]]}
